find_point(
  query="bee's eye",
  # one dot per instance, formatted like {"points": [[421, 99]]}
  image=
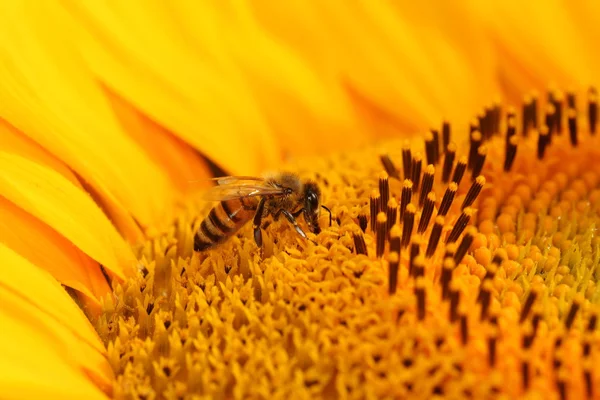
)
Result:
{"points": [[313, 201]]}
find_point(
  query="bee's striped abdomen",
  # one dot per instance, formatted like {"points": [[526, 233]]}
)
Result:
{"points": [[223, 221]]}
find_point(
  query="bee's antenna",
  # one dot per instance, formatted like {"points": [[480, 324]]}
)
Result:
{"points": [[329, 211]]}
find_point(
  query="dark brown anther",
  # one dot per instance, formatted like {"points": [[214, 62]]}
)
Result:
{"points": [[459, 171], [492, 346], [360, 247], [525, 374], [592, 110], [490, 121], [528, 341], [558, 119], [497, 114], [571, 103], [479, 162], [416, 171], [543, 142], [464, 329], [446, 276], [454, 300], [427, 212], [445, 135], [405, 197], [491, 269], [550, 121], [511, 128], [392, 214], [407, 161], [448, 162], [415, 247], [587, 348], [464, 245], [510, 153], [473, 147], [527, 116], [591, 327], [363, 221], [389, 166], [434, 237], [427, 183], [395, 239], [393, 264], [488, 127], [429, 148], [380, 233], [535, 321], [534, 110], [562, 389], [558, 343], [448, 199], [486, 297], [589, 387], [473, 192], [575, 306], [374, 203], [490, 272], [533, 293], [420, 295], [436, 147], [528, 336], [384, 191], [482, 126], [407, 225], [460, 225], [572, 124], [551, 96], [556, 363]]}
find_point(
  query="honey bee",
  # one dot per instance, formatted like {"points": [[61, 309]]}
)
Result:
{"points": [[245, 198]]}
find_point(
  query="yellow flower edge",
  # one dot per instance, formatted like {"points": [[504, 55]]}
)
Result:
{"points": [[504, 304]]}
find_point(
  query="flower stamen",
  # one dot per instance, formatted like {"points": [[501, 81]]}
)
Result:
{"points": [[434, 237], [427, 212], [448, 162]]}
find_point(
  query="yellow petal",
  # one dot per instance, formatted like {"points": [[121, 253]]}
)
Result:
{"points": [[537, 43], [308, 111], [170, 79], [51, 198], [184, 165], [17, 143], [45, 248], [39, 243], [403, 65], [460, 58], [48, 94], [49, 350]]}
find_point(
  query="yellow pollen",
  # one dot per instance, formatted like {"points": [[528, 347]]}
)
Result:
{"points": [[504, 289]]}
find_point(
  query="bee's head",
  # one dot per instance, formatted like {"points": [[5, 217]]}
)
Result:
{"points": [[312, 206]]}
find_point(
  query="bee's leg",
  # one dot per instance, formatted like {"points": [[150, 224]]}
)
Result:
{"points": [[329, 211], [290, 217], [277, 214], [296, 214], [256, 222]]}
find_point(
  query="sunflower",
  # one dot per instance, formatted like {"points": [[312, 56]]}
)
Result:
{"points": [[455, 261]]}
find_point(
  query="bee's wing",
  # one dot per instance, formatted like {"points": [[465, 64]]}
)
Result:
{"points": [[232, 187], [239, 180]]}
